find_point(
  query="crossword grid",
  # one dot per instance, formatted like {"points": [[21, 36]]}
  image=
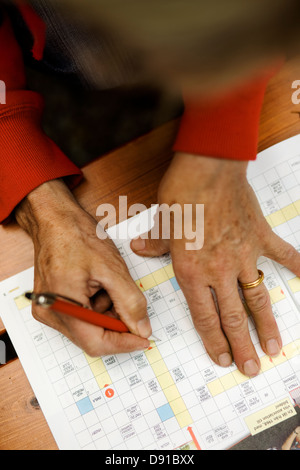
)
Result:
{"points": [[173, 395], [150, 399], [278, 192]]}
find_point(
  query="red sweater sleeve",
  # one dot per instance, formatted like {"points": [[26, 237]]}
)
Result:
{"points": [[226, 127], [28, 157]]}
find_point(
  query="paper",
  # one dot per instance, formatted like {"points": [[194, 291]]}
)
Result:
{"points": [[171, 396]]}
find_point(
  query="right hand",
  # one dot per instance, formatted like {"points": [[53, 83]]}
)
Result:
{"points": [[236, 235], [70, 260]]}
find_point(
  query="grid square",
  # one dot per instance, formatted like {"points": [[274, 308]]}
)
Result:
{"points": [[84, 405], [160, 276], [165, 412]]}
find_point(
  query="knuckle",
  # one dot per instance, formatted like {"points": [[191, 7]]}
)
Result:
{"points": [[187, 271], [206, 323], [289, 252], [93, 350], [234, 321], [282, 251], [137, 301], [259, 301]]}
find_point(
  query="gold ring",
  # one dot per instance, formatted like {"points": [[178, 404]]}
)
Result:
{"points": [[250, 285]]}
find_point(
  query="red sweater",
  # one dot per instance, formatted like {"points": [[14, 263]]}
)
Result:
{"points": [[227, 128]]}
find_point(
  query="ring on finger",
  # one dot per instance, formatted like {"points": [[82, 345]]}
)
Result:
{"points": [[251, 285]]}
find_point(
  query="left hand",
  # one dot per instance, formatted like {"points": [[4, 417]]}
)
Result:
{"points": [[236, 235]]}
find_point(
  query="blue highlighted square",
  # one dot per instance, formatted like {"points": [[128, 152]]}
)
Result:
{"points": [[84, 406], [175, 283], [165, 412]]}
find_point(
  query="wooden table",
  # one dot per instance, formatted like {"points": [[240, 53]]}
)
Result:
{"points": [[133, 171]]}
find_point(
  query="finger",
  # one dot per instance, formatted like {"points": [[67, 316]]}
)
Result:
{"points": [[234, 322], [207, 323], [283, 253], [129, 302], [146, 246], [95, 341], [259, 303], [156, 242], [118, 343]]}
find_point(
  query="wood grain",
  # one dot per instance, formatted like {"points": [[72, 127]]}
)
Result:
{"points": [[23, 426], [135, 171]]}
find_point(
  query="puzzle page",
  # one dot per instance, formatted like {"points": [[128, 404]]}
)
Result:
{"points": [[171, 396], [275, 178]]}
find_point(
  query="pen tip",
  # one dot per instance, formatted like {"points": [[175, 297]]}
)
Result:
{"points": [[153, 338], [28, 295]]}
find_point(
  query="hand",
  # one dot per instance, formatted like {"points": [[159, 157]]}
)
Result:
{"points": [[236, 235], [70, 260]]}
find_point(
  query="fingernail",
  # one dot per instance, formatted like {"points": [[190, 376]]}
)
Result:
{"points": [[251, 368], [273, 347], [138, 244], [144, 328], [225, 360]]}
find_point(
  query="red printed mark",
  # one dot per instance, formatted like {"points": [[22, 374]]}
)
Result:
{"points": [[190, 430], [109, 393]]}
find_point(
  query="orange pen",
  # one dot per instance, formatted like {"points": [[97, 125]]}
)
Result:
{"points": [[75, 309]]}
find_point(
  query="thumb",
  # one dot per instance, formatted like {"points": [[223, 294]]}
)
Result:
{"points": [[284, 253], [146, 246]]}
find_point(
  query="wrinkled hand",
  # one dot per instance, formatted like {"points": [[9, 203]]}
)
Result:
{"points": [[236, 235], [70, 260]]}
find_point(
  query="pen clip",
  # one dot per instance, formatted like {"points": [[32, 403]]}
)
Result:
{"points": [[46, 299]]}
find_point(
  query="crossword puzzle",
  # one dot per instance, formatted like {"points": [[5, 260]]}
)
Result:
{"points": [[278, 191], [171, 396]]}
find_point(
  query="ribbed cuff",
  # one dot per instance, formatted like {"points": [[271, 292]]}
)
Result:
{"points": [[227, 127], [28, 157]]}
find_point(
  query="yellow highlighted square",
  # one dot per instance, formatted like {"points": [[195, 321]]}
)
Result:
{"points": [[295, 284], [103, 380], [21, 302], [98, 367], [297, 205], [171, 393], [279, 359], [277, 218], [266, 363], [165, 380], [178, 406], [228, 381], [91, 359], [290, 350], [148, 282], [184, 419], [290, 212], [239, 377], [276, 294], [159, 368], [170, 271], [215, 387], [160, 276], [153, 355]]}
